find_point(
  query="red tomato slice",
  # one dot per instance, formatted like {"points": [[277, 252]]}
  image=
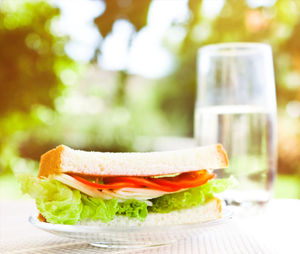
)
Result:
{"points": [[186, 180], [117, 185], [142, 182], [162, 181], [167, 184]]}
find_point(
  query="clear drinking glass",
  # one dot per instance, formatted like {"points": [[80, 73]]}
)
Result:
{"points": [[236, 106]]}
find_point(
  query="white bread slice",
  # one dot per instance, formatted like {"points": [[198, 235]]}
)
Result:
{"points": [[63, 159], [210, 211]]}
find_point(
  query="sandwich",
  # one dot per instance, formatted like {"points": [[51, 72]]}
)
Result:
{"points": [[135, 189]]}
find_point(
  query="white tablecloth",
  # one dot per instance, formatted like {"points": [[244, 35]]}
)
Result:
{"points": [[277, 230]]}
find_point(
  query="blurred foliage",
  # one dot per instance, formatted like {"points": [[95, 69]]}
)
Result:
{"points": [[38, 79], [32, 62], [287, 186], [33, 57], [135, 11]]}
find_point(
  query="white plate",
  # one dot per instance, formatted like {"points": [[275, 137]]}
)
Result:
{"points": [[130, 237]]}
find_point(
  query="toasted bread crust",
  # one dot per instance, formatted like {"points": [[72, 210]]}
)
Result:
{"points": [[219, 205], [50, 162], [223, 155]]}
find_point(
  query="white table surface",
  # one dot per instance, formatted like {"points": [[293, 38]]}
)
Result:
{"points": [[276, 230]]}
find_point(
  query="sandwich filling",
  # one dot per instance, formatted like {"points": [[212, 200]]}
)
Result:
{"points": [[127, 187], [70, 199]]}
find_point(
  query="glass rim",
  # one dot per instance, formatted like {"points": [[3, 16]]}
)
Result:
{"points": [[234, 48]]}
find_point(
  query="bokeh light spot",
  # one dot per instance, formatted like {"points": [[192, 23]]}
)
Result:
{"points": [[293, 109], [68, 76]]}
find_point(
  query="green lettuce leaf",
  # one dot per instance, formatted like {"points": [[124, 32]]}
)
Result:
{"points": [[189, 198], [134, 209], [98, 209], [56, 202], [60, 204]]}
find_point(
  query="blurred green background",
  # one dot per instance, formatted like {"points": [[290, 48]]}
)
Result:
{"points": [[119, 75]]}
